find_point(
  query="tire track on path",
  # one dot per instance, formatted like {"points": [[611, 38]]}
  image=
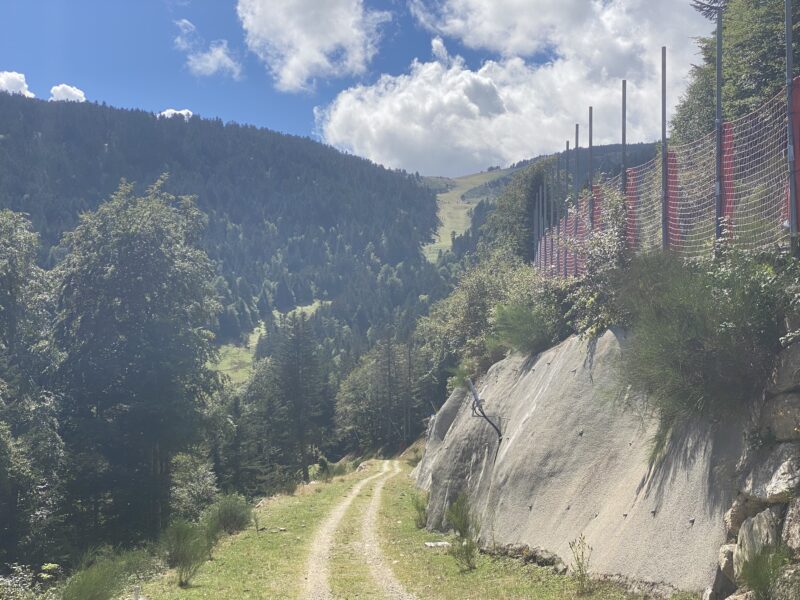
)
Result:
{"points": [[317, 566], [378, 567]]}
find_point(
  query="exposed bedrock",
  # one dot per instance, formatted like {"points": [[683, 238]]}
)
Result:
{"points": [[572, 461]]}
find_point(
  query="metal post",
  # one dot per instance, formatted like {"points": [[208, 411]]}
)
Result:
{"points": [[664, 180], [790, 128], [591, 178], [624, 174], [566, 207], [575, 182], [719, 192]]}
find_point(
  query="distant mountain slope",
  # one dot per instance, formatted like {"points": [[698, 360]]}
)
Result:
{"points": [[459, 197], [290, 220]]}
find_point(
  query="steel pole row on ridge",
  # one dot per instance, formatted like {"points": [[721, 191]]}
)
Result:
{"points": [[624, 173], [790, 128], [719, 192], [664, 179], [591, 168]]}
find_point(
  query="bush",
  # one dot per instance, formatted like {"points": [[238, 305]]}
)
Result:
{"points": [[231, 513], [101, 579], [761, 572], [581, 555], [704, 334], [186, 547], [23, 584], [465, 547], [419, 500], [526, 329], [194, 486]]}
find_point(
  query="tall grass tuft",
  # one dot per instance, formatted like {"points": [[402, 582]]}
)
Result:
{"points": [[232, 513], [465, 547], [704, 334], [760, 572], [581, 556], [186, 548], [419, 500]]}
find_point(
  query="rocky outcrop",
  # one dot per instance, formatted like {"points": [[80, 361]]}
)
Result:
{"points": [[775, 478], [791, 528], [781, 418], [787, 586], [574, 460], [758, 534]]}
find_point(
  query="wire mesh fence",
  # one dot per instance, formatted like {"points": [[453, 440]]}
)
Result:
{"points": [[753, 212]]}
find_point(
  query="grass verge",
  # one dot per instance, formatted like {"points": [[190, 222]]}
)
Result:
{"points": [[432, 574], [267, 564]]}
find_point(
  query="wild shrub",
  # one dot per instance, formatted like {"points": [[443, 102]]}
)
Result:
{"points": [[22, 583], [704, 334], [581, 557], [419, 500], [186, 548], [464, 548], [760, 572], [194, 486], [592, 302], [232, 513], [532, 316], [101, 578]]}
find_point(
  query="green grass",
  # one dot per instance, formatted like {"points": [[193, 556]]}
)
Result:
{"points": [[350, 574], [267, 564], [454, 213], [237, 361], [432, 573]]}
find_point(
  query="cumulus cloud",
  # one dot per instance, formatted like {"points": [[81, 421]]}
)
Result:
{"points": [[14, 83], [66, 93], [171, 112], [300, 40], [216, 59], [443, 117]]}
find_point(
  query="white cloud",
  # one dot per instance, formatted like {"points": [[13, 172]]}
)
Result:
{"points": [[216, 59], [187, 35], [66, 93], [14, 83], [301, 40], [171, 112], [442, 117]]}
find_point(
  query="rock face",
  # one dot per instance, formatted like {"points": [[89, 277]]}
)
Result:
{"points": [[787, 586], [791, 528], [757, 534], [781, 418], [572, 462], [776, 477]]}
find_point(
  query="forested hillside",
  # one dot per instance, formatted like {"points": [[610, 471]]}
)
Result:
{"points": [[290, 221]]}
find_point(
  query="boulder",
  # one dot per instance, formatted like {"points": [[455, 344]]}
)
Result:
{"points": [[787, 584], [535, 555], [786, 377], [791, 527], [742, 595], [726, 561], [743, 507], [776, 478], [721, 588], [780, 417], [756, 534]]}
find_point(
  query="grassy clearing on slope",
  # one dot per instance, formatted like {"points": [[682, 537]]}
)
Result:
{"points": [[431, 573], [267, 564], [454, 212], [237, 361]]}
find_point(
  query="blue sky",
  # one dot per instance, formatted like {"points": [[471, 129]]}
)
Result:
{"points": [[436, 86]]}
